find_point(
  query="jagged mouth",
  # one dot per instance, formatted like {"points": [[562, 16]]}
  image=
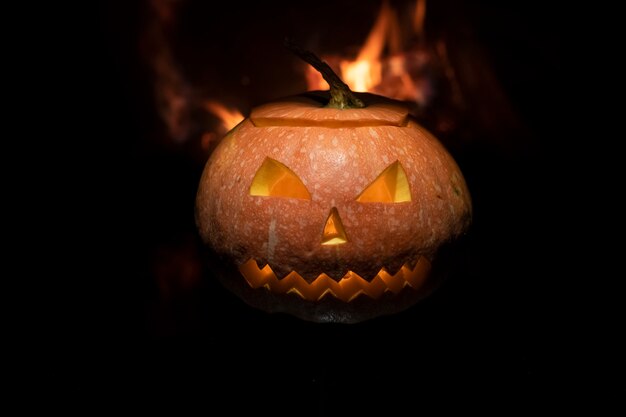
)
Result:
{"points": [[348, 288]]}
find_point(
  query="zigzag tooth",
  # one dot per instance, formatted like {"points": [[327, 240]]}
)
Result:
{"points": [[255, 276], [295, 291], [393, 269], [393, 282], [280, 274], [359, 292], [376, 287], [293, 280], [326, 291], [383, 276], [351, 284], [418, 275], [411, 263], [350, 287], [316, 289]]}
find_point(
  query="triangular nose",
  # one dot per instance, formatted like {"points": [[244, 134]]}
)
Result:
{"points": [[333, 229]]}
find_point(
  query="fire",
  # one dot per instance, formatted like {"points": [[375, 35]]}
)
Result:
{"points": [[171, 90], [228, 116], [418, 18], [383, 65], [361, 75], [180, 106], [365, 73]]}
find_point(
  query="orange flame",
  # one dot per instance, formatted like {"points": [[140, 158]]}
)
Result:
{"points": [[365, 73], [228, 116], [172, 91], [382, 65], [177, 99], [418, 18]]}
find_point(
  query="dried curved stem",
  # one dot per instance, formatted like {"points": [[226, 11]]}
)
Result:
{"points": [[341, 97]]}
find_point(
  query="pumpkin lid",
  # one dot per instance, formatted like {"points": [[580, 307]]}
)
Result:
{"points": [[309, 110]]}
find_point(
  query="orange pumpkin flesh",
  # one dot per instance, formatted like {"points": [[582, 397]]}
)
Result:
{"points": [[323, 209]]}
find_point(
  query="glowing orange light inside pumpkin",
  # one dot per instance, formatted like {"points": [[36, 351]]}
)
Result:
{"points": [[334, 233], [346, 289], [391, 186], [274, 179]]}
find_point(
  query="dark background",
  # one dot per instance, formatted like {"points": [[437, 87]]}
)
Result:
{"points": [[493, 334]]}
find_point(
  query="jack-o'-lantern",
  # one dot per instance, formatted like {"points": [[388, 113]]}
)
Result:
{"points": [[329, 213]]}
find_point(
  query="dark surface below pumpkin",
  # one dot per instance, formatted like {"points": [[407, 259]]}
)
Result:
{"points": [[488, 336]]}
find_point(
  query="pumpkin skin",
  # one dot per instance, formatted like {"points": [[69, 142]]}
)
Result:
{"points": [[333, 247]]}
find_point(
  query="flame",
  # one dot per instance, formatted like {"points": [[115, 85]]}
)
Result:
{"points": [[383, 65], [179, 104], [364, 73], [172, 93], [418, 18], [229, 117]]}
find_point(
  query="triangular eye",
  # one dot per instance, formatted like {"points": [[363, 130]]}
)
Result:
{"points": [[274, 179], [391, 186]]}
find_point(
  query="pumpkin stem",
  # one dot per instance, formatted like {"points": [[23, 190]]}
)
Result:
{"points": [[341, 97]]}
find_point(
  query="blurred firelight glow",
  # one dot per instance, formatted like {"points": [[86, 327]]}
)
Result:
{"points": [[386, 64]]}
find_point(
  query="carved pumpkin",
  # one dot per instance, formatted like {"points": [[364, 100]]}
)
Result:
{"points": [[330, 214], [314, 204]]}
